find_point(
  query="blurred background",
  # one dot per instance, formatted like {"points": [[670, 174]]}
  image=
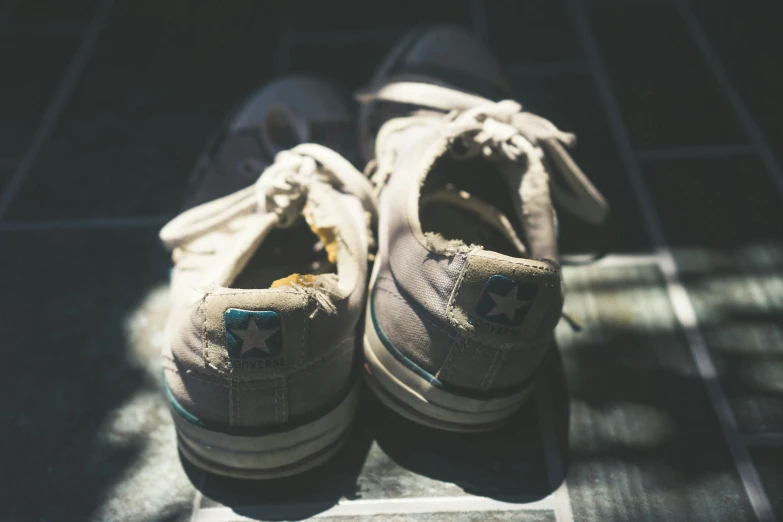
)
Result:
{"points": [[666, 405]]}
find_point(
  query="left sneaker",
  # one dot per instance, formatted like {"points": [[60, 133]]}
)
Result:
{"points": [[267, 293]]}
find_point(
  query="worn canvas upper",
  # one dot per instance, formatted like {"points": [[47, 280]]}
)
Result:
{"points": [[428, 293], [478, 321], [239, 355]]}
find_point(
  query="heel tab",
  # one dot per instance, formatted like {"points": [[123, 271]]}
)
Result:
{"points": [[506, 300], [254, 334]]}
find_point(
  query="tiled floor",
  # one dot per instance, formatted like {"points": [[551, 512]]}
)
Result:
{"points": [[666, 405]]}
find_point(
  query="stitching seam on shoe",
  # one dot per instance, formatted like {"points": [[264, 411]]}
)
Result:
{"points": [[455, 293], [522, 263], [231, 404], [200, 372], [284, 400], [304, 331], [187, 376], [277, 410], [485, 348], [501, 361], [311, 367], [446, 365]]}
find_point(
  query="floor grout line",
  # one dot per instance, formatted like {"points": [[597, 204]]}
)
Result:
{"points": [[686, 316], [681, 303], [56, 106], [554, 459], [763, 439], [714, 151], [478, 14], [750, 127], [84, 224], [286, 36], [370, 507]]}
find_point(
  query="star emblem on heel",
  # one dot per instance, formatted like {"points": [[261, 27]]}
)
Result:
{"points": [[251, 334], [505, 301]]}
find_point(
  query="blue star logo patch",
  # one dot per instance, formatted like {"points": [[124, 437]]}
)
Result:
{"points": [[251, 334], [505, 301]]}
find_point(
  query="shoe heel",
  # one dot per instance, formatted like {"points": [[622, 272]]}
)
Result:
{"points": [[271, 455], [421, 400]]}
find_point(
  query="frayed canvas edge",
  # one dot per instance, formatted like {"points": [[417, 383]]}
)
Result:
{"points": [[438, 243]]}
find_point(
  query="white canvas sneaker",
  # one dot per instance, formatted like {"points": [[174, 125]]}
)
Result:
{"points": [[266, 295], [467, 287]]}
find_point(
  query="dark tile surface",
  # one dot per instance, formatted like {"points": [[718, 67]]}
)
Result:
{"points": [[401, 15], [33, 64], [145, 108], [348, 64], [715, 203], [6, 171], [572, 103], [642, 443], [738, 298], [86, 434], [55, 11], [736, 34], [770, 465], [532, 32], [83, 323], [667, 96]]}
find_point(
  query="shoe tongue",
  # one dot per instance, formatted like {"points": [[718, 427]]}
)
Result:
{"points": [[490, 85], [377, 114], [531, 192], [281, 130], [233, 162], [380, 112]]}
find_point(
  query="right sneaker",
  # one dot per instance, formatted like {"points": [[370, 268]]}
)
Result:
{"points": [[467, 287], [267, 293]]}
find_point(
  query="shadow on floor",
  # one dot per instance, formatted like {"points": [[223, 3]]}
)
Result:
{"points": [[389, 457], [508, 464]]}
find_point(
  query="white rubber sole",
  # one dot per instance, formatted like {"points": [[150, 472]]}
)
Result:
{"points": [[268, 456], [415, 398]]}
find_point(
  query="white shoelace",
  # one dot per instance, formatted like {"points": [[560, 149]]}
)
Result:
{"points": [[282, 189], [499, 129]]}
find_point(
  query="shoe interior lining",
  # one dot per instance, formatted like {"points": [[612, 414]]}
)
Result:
{"points": [[479, 178], [284, 252]]}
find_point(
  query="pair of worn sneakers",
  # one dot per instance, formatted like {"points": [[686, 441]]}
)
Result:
{"points": [[267, 333]]}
